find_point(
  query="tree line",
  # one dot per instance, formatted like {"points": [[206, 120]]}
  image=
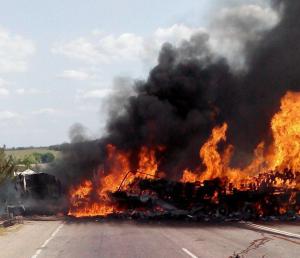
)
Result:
{"points": [[36, 158]]}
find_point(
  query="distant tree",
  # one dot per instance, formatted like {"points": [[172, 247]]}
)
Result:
{"points": [[47, 157], [7, 166], [28, 161], [38, 157]]}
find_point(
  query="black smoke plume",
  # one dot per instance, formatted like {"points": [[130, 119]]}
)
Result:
{"points": [[192, 90]]}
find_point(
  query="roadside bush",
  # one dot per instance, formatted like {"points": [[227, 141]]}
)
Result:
{"points": [[7, 166], [47, 157]]}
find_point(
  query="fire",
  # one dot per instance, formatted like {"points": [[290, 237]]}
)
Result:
{"points": [[91, 198], [282, 155], [286, 132], [118, 166], [210, 155], [189, 176], [82, 204], [275, 165], [216, 163], [147, 162]]}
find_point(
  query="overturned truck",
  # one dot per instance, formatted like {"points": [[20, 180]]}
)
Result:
{"points": [[36, 192]]}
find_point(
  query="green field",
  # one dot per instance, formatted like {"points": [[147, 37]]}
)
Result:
{"points": [[20, 154]]}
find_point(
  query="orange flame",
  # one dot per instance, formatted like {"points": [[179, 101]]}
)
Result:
{"points": [[117, 174], [83, 206], [286, 132], [118, 167], [283, 154], [147, 163], [210, 155]]}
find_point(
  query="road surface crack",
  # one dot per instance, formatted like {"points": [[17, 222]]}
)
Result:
{"points": [[255, 244]]}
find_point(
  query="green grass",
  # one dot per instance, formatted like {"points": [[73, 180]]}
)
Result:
{"points": [[20, 154]]}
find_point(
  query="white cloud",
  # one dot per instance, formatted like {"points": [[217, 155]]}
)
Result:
{"points": [[3, 82], [7, 115], [30, 91], [11, 120], [15, 52], [174, 34], [88, 107], [94, 94], [45, 111], [75, 75], [3, 89], [228, 32], [20, 91], [4, 92], [103, 49], [99, 48]]}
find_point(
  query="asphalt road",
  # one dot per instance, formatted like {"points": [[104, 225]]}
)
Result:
{"points": [[102, 239]]}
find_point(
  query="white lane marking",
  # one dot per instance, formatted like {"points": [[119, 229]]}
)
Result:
{"points": [[38, 251], [189, 253], [285, 233]]}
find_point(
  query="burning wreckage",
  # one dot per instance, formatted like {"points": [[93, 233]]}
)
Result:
{"points": [[200, 138], [208, 200], [268, 187]]}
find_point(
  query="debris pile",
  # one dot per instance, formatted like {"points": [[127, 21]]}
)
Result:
{"points": [[208, 200]]}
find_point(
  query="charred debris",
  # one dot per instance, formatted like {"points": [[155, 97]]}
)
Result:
{"points": [[211, 200], [154, 198]]}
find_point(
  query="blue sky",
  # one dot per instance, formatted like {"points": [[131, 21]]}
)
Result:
{"points": [[60, 59]]}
